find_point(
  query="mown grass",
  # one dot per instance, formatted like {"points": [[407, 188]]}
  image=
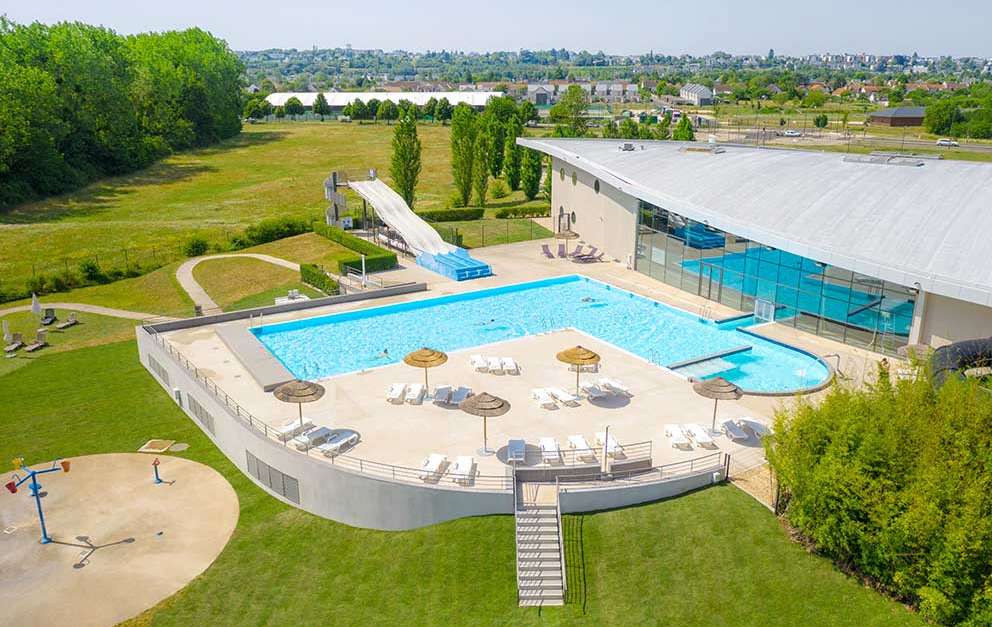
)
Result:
{"points": [[236, 283], [712, 557]]}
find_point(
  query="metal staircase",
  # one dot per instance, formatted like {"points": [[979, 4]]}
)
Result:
{"points": [[540, 551]]}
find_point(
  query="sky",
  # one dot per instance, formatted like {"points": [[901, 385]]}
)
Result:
{"points": [[950, 27]]}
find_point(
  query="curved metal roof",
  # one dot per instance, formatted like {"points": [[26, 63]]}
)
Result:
{"points": [[419, 98], [909, 221]]}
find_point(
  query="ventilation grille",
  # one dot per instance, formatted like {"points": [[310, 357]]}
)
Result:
{"points": [[886, 159]]}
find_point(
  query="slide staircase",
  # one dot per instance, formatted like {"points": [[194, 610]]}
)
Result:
{"points": [[432, 252]]}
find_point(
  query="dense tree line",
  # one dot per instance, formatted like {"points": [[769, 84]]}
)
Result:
{"points": [[960, 115], [484, 147], [78, 102], [894, 482]]}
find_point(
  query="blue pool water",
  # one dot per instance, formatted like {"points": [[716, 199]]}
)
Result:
{"points": [[320, 347]]}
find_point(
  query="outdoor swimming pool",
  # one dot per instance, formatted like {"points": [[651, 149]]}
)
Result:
{"points": [[336, 344]]}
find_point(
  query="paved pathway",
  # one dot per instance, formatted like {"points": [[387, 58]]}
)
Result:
{"points": [[95, 309], [184, 274]]}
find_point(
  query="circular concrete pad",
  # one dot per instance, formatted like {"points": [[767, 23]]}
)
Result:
{"points": [[150, 540]]}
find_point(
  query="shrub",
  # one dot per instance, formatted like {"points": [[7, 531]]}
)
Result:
{"points": [[314, 275], [452, 215], [275, 229], [524, 212], [376, 257], [91, 271], [455, 200], [195, 246], [499, 189]]}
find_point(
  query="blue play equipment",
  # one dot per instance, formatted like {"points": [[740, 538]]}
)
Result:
{"points": [[32, 476], [698, 236], [155, 467], [456, 264]]}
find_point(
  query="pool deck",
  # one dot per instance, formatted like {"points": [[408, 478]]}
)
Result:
{"points": [[404, 435]]}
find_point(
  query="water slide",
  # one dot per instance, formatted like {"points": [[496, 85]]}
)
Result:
{"points": [[432, 252]]}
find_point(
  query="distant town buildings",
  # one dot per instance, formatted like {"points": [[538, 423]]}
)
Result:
{"points": [[694, 93], [899, 116]]}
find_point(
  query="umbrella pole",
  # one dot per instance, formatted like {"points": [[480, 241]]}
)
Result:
{"points": [[299, 406], [713, 424], [577, 370], [426, 387]]}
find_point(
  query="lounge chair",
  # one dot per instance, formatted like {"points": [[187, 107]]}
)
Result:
{"points": [[588, 253], [39, 341], [577, 252], [584, 368], [16, 342], [699, 435], [432, 467], [546, 250], [561, 251], [589, 258], [292, 428], [564, 397], [49, 316], [516, 451], [550, 453], [759, 429], [510, 365], [495, 365], [68, 322], [677, 436], [734, 431], [581, 447], [415, 393], [543, 398], [478, 363], [613, 447], [463, 472], [592, 390], [338, 441], [442, 394], [395, 393], [614, 386], [460, 395], [311, 438]]}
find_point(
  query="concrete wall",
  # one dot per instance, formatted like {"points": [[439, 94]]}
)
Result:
{"points": [[607, 220], [947, 320], [576, 500]]}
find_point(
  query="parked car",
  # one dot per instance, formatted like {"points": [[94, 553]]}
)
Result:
{"points": [[947, 143], [792, 133]]}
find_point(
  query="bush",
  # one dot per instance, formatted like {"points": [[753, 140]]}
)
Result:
{"points": [[314, 275], [499, 189], [91, 271], [195, 246], [524, 212], [275, 229], [455, 200], [376, 257], [452, 215]]}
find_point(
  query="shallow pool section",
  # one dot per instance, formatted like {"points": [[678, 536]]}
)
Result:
{"points": [[325, 346]]}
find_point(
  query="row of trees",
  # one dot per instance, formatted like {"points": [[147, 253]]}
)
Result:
{"points": [[962, 115], [79, 102]]}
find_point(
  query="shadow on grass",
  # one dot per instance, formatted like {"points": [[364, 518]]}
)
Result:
{"points": [[241, 140], [575, 560]]}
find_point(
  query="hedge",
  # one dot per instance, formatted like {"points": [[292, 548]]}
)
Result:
{"points": [[376, 257], [452, 215], [524, 212], [314, 275]]}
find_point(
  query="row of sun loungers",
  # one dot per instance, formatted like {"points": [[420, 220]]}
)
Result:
{"points": [[494, 365], [448, 395], [551, 454], [435, 465], [414, 394], [305, 436], [13, 342], [683, 436], [549, 398], [576, 255]]}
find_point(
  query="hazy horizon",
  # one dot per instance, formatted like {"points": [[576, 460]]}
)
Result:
{"points": [[881, 27]]}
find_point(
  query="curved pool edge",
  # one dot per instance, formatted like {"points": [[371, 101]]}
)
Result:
{"points": [[831, 372]]}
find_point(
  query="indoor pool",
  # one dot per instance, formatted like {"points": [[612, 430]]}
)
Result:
{"points": [[324, 346]]}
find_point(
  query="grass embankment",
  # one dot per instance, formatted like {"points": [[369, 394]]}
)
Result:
{"points": [[243, 283], [712, 557]]}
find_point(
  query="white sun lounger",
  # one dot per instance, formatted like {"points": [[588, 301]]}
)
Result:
{"points": [[311, 438], [292, 428], [478, 363], [612, 447], [460, 395], [550, 453], [495, 365], [582, 449], [510, 365], [759, 429], [415, 393], [592, 390], [734, 431], [615, 386], [442, 394], [564, 397], [430, 469], [698, 435], [543, 398], [395, 392], [677, 436], [337, 442], [463, 472]]}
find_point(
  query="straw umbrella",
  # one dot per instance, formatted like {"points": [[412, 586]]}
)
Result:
{"points": [[425, 358], [719, 389], [566, 235], [299, 392], [578, 357], [485, 405]]}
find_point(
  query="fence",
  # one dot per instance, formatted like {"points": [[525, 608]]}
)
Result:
{"points": [[491, 232], [713, 461]]}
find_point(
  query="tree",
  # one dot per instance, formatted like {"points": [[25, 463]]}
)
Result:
{"points": [[387, 111], [485, 138], [443, 111], [359, 110], [547, 178], [683, 130], [405, 164], [814, 98], [569, 113], [320, 106], [821, 121], [462, 149], [530, 173], [373, 108], [511, 153], [610, 130], [942, 116], [664, 130], [628, 129], [405, 105], [280, 112], [430, 108], [527, 112], [293, 106]]}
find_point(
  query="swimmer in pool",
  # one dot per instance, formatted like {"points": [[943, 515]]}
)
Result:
{"points": [[384, 354]]}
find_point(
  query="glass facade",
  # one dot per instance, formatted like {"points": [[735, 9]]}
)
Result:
{"points": [[808, 295]]}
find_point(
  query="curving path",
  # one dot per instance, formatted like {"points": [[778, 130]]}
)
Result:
{"points": [[184, 274], [94, 309]]}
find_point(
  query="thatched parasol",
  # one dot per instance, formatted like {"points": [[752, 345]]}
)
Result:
{"points": [[566, 235], [578, 356], [719, 389], [299, 392], [485, 405], [425, 358]]}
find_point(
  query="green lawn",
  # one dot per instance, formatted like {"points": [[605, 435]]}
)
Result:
{"points": [[243, 283], [492, 231], [711, 557]]}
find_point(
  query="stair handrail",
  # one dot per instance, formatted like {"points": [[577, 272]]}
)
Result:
{"points": [[516, 538], [561, 542]]}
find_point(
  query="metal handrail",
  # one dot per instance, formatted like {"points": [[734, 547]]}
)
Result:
{"points": [[516, 515], [561, 542], [656, 473], [634, 451]]}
